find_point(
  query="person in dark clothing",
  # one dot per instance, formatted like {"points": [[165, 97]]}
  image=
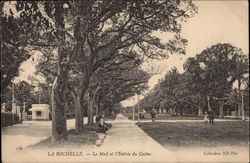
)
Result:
{"points": [[153, 113], [102, 126], [211, 116]]}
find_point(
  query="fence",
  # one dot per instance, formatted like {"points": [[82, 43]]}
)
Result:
{"points": [[8, 119]]}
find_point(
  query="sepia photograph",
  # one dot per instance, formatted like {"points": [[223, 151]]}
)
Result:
{"points": [[120, 81]]}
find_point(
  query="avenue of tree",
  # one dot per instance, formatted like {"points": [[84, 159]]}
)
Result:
{"points": [[217, 77], [91, 49]]}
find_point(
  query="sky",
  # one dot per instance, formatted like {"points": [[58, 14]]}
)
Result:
{"points": [[216, 22]]}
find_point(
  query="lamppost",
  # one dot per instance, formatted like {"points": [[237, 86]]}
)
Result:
{"points": [[13, 104], [138, 107], [242, 107]]}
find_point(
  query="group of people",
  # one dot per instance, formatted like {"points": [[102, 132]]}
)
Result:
{"points": [[152, 113]]}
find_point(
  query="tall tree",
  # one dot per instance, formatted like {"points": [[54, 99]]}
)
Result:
{"points": [[23, 92], [117, 81], [215, 68], [101, 30], [13, 49], [195, 84], [168, 88], [108, 29]]}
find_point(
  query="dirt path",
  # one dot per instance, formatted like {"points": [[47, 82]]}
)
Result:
{"points": [[125, 142]]}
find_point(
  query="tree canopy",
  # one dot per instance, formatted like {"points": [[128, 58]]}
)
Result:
{"points": [[89, 34], [212, 73]]}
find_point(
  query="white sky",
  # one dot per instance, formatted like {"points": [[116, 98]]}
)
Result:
{"points": [[216, 22]]}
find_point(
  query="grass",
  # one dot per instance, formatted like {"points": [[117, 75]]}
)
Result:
{"points": [[75, 140], [163, 117], [171, 117], [177, 135]]}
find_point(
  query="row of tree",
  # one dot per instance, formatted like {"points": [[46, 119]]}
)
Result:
{"points": [[98, 47], [217, 77]]}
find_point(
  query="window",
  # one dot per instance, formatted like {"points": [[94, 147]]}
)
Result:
{"points": [[38, 113]]}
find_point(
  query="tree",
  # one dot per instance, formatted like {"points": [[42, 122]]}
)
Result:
{"points": [[105, 29], [116, 81], [117, 28], [215, 69], [242, 69], [209, 74], [77, 86], [168, 88], [38, 31], [23, 93], [13, 51], [196, 92]]}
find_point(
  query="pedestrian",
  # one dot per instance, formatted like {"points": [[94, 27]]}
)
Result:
{"points": [[206, 117], [153, 114], [211, 116], [143, 113]]}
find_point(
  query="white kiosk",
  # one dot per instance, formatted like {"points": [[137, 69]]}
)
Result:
{"points": [[40, 111]]}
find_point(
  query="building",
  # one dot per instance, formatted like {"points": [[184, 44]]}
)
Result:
{"points": [[40, 111]]}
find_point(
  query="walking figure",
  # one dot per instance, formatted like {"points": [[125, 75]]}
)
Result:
{"points": [[211, 116], [153, 113]]}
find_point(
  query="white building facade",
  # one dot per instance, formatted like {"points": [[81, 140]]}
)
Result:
{"points": [[40, 111]]}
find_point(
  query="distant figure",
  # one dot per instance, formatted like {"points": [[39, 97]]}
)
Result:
{"points": [[141, 114], [153, 113], [211, 116], [206, 118]]}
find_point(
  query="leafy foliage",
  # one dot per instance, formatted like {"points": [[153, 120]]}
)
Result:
{"points": [[210, 73]]}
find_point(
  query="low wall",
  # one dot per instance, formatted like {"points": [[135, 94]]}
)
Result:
{"points": [[8, 119]]}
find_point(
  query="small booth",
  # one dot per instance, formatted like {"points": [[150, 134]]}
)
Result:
{"points": [[40, 111]]}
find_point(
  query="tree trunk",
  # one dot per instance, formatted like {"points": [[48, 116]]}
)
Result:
{"points": [[242, 107], [200, 112], [90, 108], [78, 111], [79, 118], [106, 111], [228, 112], [208, 103], [67, 107], [236, 111], [239, 97], [95, 101], [97, 106], [59, 125], [221, 111], [239, 109]]}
